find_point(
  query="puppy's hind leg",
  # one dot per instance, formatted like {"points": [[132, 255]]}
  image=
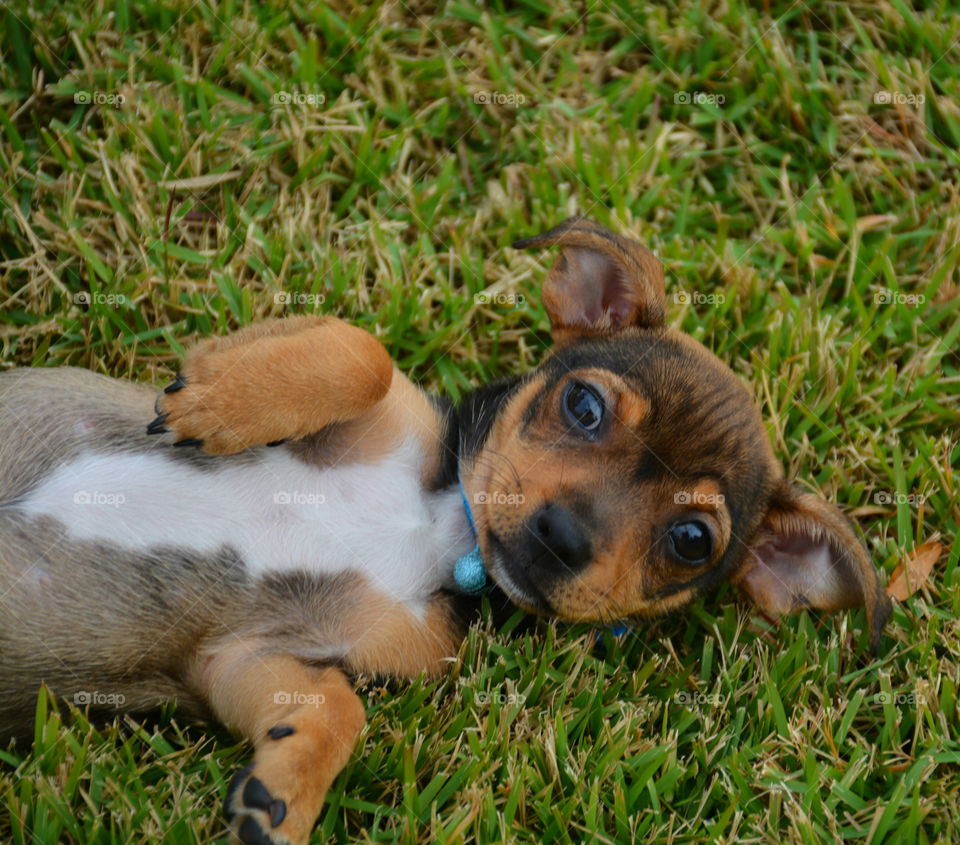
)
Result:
{"points": [[303, 721]]}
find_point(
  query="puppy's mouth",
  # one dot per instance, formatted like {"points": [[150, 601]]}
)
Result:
{"points": [[507, 570]]}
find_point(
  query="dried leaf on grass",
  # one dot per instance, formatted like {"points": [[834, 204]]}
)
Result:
{"points": [[913, 573]]}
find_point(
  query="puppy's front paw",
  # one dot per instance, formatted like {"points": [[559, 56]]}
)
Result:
{"points": [[277, 798], [208, 405]]}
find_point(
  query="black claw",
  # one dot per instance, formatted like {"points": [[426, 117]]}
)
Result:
{"points": [[178, 383], [157, 426], [190, 441], [278, 442], [278, 812], [280, 731], [235, 784], [256, 795], [156, 405], [251, 833]]}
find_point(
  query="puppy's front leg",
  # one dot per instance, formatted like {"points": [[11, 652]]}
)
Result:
{"points": [[273, 381], [304, 722]]}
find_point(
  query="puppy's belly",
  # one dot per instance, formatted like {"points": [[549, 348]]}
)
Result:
{"points": [[277, 513]]}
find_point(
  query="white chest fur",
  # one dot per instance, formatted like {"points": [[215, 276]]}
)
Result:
{"points": [[278, 513]]}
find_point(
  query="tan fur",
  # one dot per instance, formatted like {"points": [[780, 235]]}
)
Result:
{"points": [[253, 692], [404, 413], [568, 291], [393, 641], [850, 580], [276, 381]]}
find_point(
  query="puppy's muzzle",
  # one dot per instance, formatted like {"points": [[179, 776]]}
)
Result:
{"points": [[556, 544]]}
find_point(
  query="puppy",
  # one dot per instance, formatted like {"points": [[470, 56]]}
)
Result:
{"points": [[300, 511]]}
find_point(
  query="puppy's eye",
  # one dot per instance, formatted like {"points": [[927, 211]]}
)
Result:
{"points": [[584, 407], [690, 542]]}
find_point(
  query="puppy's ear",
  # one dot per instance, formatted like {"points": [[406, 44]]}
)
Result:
{"points": [[806, 555], [600, 282]]}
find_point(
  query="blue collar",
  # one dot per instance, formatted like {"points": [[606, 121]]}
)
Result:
{"points": [[469, 571]]}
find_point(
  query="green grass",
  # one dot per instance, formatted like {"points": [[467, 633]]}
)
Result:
{"points": [[746, 148]]}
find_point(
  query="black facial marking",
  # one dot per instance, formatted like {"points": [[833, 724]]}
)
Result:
{"points": [[478, 412], [533, 408], [449, 445]]}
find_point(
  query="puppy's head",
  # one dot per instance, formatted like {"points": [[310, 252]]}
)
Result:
{"points": [[630, 472]]}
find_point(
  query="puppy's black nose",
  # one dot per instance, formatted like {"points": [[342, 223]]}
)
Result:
{"points": [[556, 542]]}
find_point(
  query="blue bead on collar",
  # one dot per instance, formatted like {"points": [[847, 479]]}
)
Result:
{"points": [[469, 571]]}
